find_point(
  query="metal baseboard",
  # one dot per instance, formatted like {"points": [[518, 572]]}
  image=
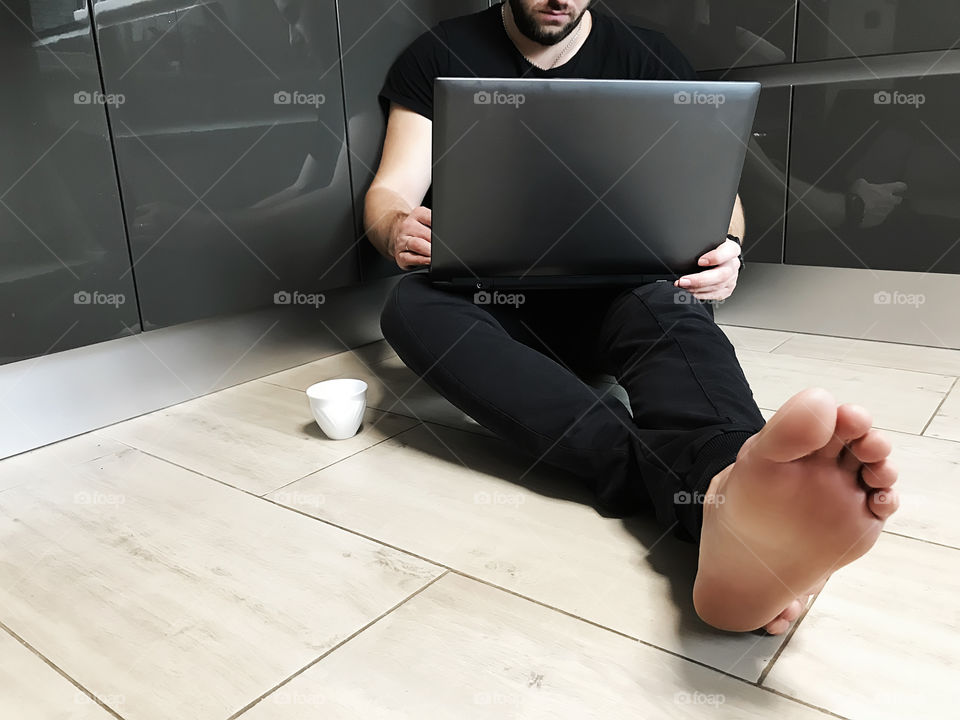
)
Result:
{"points": [[904, 307], [50, 398]]}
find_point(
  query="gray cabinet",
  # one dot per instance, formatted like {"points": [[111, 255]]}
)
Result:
{"points": [[895, 145], [853, 28], [232, 151], [65, 276]]}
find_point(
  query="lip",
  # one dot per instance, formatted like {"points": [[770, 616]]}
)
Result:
{"points": [[553, 14]]}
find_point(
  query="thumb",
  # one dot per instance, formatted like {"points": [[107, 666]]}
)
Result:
{"points": [[896, 188]]}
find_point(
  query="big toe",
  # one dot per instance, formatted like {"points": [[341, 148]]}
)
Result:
{"points": [[852, 425], [803, 425]]}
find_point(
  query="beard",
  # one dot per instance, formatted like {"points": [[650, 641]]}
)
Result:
{"points": [[529, 25]]}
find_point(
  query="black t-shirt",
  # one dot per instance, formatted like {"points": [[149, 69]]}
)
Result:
{"points": [[477, 45]]}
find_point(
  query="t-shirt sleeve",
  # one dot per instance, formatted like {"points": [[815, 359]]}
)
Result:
{"points": [[410, 80]]}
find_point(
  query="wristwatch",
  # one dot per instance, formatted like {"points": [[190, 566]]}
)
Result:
{"points": [[739, 242]]}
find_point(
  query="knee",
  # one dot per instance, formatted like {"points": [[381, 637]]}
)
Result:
{"points": [[666, 296], [401, 305]]}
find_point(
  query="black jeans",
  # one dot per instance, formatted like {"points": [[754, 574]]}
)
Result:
{"points": [[516, 369]]}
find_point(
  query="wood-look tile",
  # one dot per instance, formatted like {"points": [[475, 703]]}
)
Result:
{"points": [[184, 597], [254, 436], [939, 361], [898, 399], [454, 498], [461, 649], [52, 460], [946, 423], [757, 339], [32, 690], [883, 638]]}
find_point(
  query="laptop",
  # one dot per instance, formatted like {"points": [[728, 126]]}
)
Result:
{"points": [[572, 183]]}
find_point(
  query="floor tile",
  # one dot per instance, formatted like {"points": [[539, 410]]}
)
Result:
{"points": [[939, 361], [254, 436], [32, 690], [758, 339], [453, 497], [465, 650], [883, 638], [183, 596], [898, 399], [52, 460], [946, 423], [929, 487], [393, 387]]}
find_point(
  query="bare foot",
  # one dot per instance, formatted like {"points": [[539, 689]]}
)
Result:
{"points": [[807, 495]]}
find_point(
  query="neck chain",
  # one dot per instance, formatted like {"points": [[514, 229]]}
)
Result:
{"points": [[573, 39]]}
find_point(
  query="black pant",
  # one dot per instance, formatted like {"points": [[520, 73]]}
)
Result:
{"points": [[515, 368]]}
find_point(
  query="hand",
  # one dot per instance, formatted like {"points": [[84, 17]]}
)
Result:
{"points": [[410, 247], [719, 281], [879, 200]]}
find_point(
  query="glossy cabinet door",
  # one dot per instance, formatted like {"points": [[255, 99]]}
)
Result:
{"points": [[717, 34], [853, 28], [880, 166], [373, 34], [64, 262], [763, 187], [232, 151]]}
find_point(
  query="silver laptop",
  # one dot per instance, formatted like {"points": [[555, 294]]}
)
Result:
{"points": [[583, 182]]}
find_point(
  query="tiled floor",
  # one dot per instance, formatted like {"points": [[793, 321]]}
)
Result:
{"points": [[222, 559]]}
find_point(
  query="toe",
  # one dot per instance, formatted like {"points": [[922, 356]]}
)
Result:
{"points": [[881, 474], [782, 622], [883, 503], [802, 426], [871, 448], [853, 423]]}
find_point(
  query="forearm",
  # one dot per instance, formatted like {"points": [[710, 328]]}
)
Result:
{"points": [[383, 210], [738, 222]]}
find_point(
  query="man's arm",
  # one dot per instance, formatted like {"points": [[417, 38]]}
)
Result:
{"points": [[738, 223], [393, 219]]}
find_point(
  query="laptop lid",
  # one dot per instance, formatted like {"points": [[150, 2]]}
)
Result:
{"points": [[567, 181]]}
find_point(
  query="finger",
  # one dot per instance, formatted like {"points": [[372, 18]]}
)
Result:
{"points": [[409, 260], [415, 245], [895, 188], [424, 215], [723, 254], [715, 276]]}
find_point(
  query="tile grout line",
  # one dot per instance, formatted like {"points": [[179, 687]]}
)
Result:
{"points": [[59, 671], [783, 646], [921, 540], [336, 647], [936, 412]]}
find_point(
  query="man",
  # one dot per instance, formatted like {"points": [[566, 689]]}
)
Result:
{"points": [[776, 508]]}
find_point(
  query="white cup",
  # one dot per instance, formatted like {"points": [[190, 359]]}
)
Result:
{"points": [[338, 406]]}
